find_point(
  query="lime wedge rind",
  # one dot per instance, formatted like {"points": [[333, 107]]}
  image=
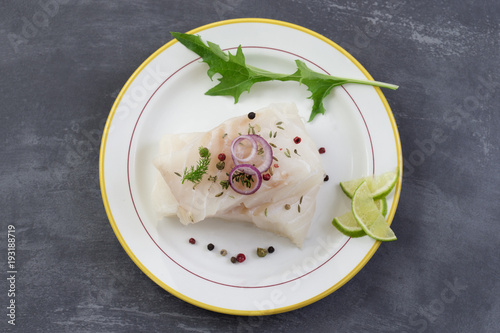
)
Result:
{"points": [[382, 205]]}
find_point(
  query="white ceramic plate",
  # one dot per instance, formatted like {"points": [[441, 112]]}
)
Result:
{"points": [[166, 95]]}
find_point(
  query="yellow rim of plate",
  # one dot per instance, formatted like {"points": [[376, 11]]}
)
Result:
{"points": [[349, 276]]}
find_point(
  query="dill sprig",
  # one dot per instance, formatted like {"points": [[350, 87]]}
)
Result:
{"points": [[196, 174]]}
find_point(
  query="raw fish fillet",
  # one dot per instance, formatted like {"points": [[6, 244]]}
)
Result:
{"points": [[295, 179]]}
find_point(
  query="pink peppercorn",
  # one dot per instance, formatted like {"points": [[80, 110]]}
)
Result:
{"points": [[266, 176], [322, 150], [221, 157], [192, 241], [240, 257]]}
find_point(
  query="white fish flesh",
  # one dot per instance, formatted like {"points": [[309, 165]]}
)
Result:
{"points": [[285, 204]]}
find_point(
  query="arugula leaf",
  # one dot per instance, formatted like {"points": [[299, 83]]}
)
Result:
{"points": [[238, 77]]}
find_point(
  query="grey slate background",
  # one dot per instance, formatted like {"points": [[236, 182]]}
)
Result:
{"points": [[58, 83]]}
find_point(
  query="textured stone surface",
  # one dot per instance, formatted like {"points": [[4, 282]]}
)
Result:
{"points": [[58, 82]]}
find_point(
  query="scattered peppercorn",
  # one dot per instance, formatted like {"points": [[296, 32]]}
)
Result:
{"points": [[233, 260], [287, 206], [240, 257], [220, 165], [192, 241], [270, 249], [276, 165], [223, 252], [326, 178], [251, 115], [297, 140], [266, 176], [322, 150], [221, 157], [261, 252], [210, 247], [204, 152]]}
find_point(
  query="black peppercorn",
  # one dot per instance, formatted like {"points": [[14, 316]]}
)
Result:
{"points": [[251, 115], [210, 247]]}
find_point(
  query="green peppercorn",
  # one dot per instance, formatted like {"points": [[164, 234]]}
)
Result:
{"points": [[220, 165], [233, 260], [261, 252], [204, 152]]}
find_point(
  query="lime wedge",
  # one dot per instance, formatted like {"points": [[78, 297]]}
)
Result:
{"points": [[368, 216], [350, 186], [380, 186], [348, 225], [383, 184]]}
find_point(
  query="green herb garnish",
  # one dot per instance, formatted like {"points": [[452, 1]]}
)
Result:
{"points": [[196, 174], [224, 184], [244, 178], [237, 76]]}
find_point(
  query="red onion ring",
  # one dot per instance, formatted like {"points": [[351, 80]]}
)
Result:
{"points": [[255, 140], [236, 142], [268, 153], [248, 170]]}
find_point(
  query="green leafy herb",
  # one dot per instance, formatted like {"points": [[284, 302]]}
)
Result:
{"points": [[224, 184], [244, 178], [196, 174], [251, 129], [238, 77]]}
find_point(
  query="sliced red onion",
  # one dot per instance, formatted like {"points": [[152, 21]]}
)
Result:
{"points": [[255, 140], [248, 170], [237, 160], [268, 153]]}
